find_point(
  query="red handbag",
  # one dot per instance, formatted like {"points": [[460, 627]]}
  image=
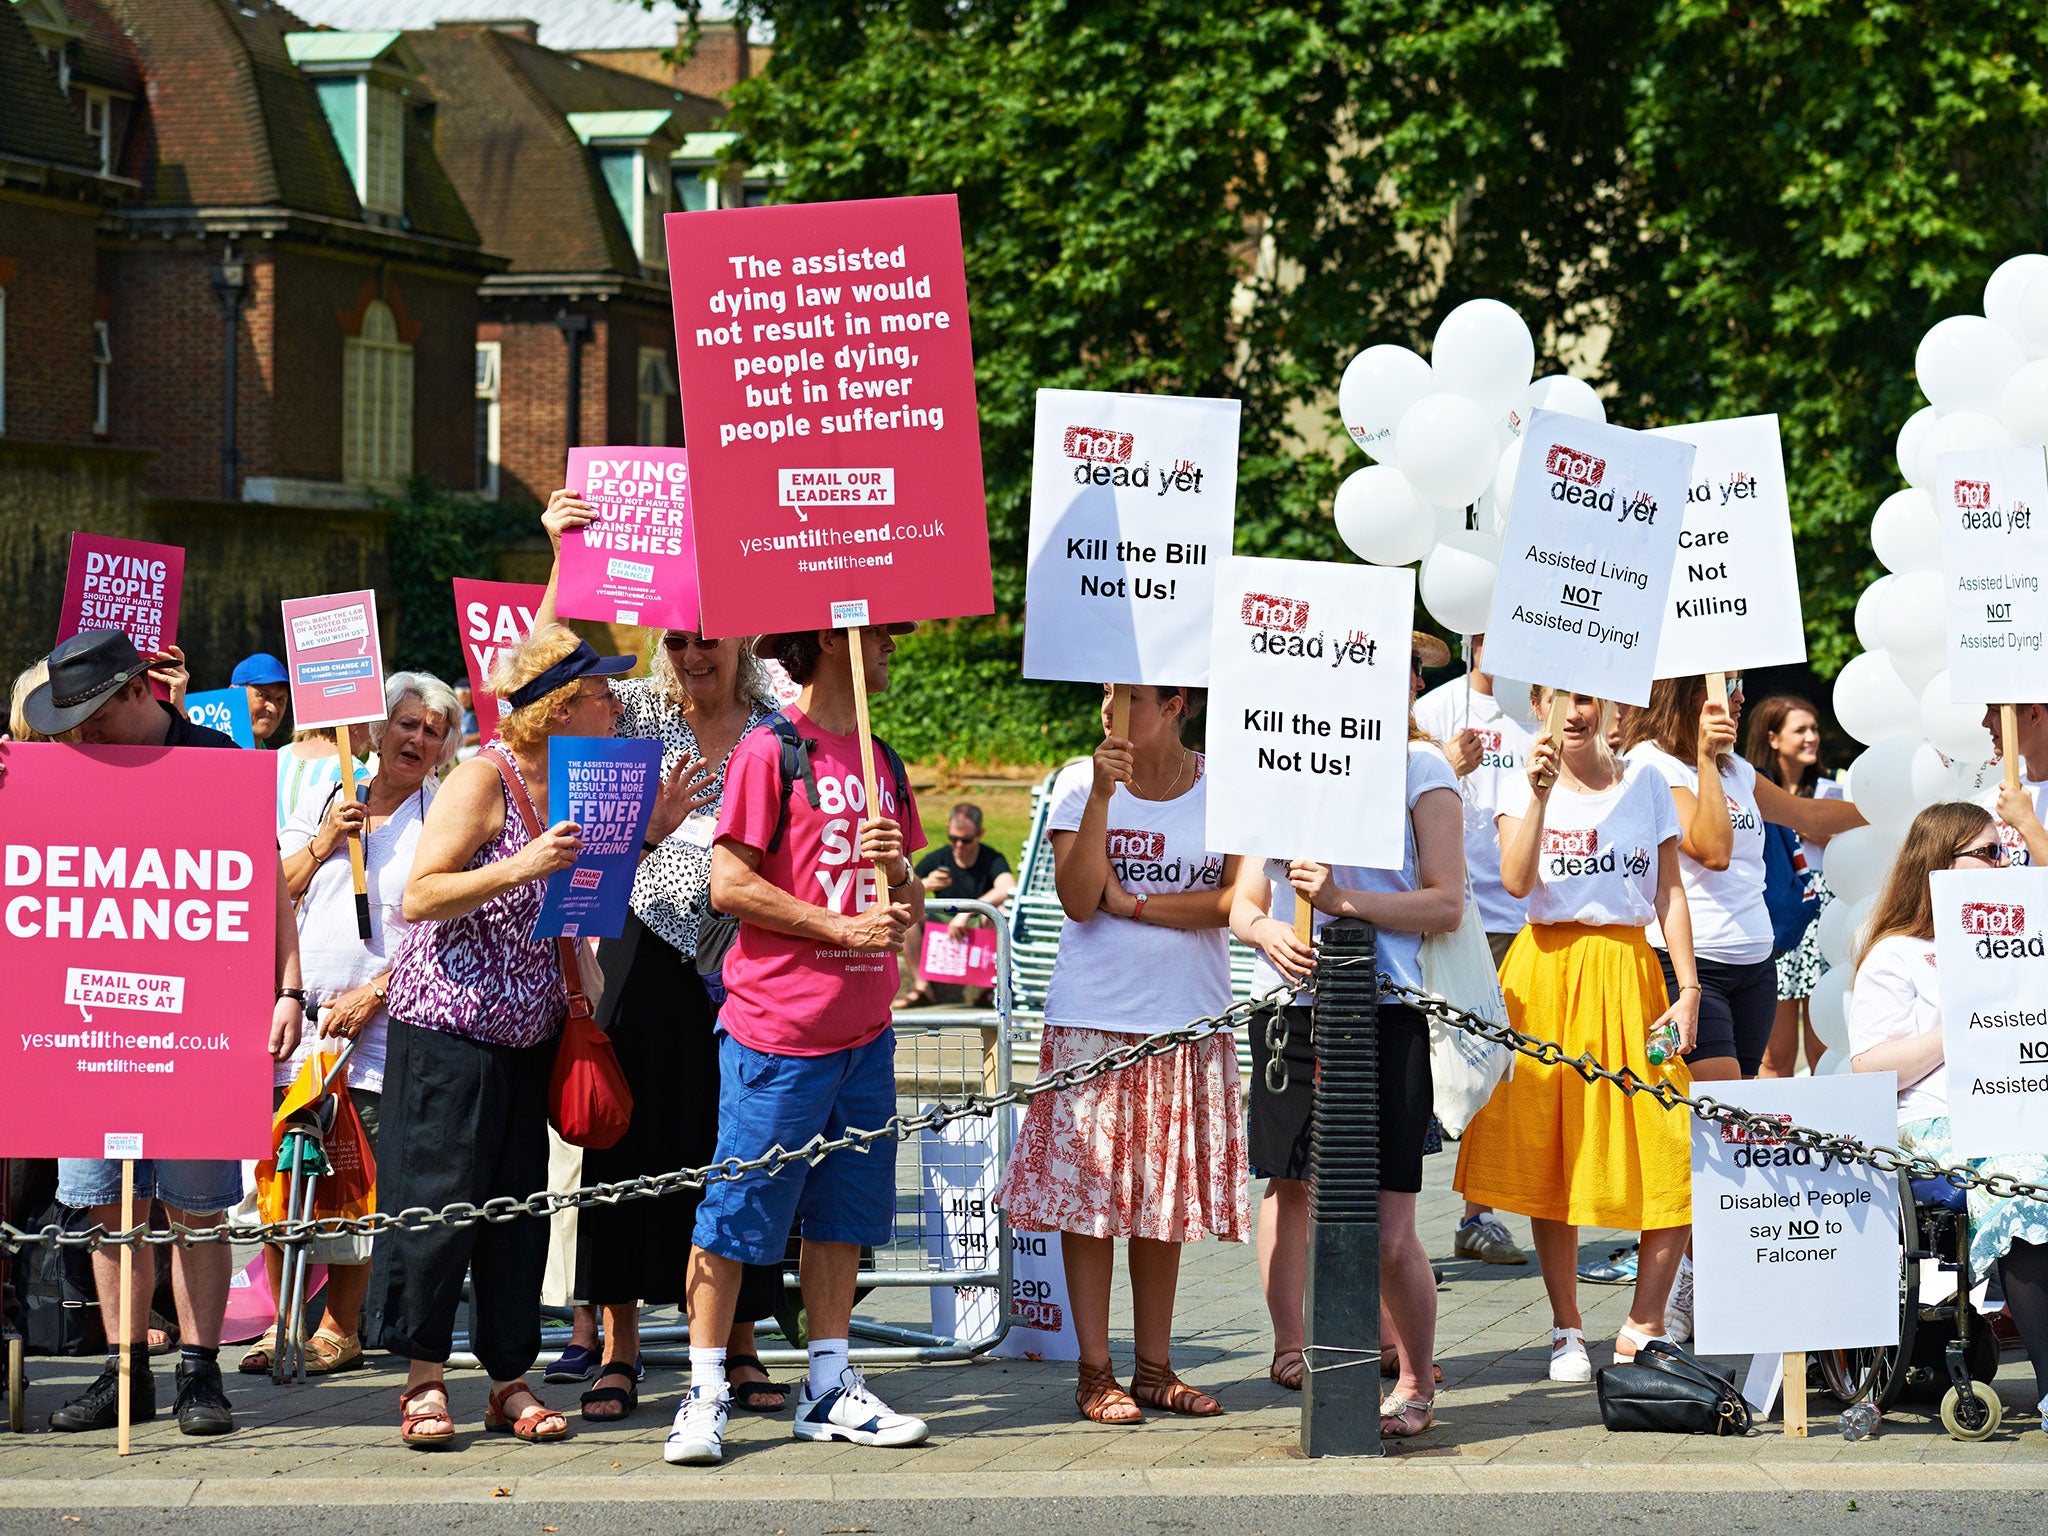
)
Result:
{"points": [[589, 1104]]}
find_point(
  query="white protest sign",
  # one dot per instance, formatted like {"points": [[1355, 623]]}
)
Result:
{"points": [[1794, 1249], [961, 1227], [1735, 587], [1133, 498], [1308, 711], [1041, 1317], [1994, 550], [1586, 557], [1993, 962]]}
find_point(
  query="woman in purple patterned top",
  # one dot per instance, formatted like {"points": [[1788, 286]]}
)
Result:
{"points": [[476, 1008]]}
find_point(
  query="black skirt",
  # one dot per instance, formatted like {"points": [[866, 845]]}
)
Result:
{"points": [[1283, 1124], [663, 1027]]}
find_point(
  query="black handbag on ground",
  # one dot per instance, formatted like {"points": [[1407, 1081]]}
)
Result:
{"points": [[1668, 1390]]}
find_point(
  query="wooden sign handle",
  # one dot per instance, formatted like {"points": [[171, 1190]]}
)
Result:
{"points": [[2009, 743], [856, 658], [123, 1353], [1120, 710], [1795, 1395], [1304, 919], [1553, 729], [1717, 689], [355, 843]]}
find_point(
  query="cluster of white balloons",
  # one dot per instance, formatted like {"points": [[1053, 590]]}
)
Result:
{"points": [[1985, 378], [1446, 438]]}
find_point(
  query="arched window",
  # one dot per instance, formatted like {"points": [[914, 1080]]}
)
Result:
{"points": [[376, 402]]}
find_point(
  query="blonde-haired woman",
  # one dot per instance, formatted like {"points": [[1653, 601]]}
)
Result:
{"points": [[1593, 843], [698, 699], [1895, 1026], [476, 1010]]}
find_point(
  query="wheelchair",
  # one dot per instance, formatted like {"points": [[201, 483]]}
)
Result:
{"points": [[1945, 1341]]}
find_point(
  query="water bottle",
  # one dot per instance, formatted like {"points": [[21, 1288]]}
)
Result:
{"points": [[1860, 1421], [1663, 1043]]}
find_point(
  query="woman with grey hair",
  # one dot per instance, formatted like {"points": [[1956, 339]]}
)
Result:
{"points": [[345, 976], [698, 699]]}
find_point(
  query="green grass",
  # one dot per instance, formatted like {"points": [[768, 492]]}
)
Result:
{"points": [[1005, 809]]}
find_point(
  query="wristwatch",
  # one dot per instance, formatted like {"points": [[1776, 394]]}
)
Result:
{"points": [[1138, 911]]}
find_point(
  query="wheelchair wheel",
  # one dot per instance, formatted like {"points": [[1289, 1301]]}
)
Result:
{"points": [[1877, 1374], [1975, 1420]]}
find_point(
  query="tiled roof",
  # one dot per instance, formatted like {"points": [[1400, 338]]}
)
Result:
{"points": [[502, 130], [37, 122], [106, 55], [565, 24]]}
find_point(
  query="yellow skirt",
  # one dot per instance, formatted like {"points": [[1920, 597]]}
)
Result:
{"points": [[1553, 1146]]}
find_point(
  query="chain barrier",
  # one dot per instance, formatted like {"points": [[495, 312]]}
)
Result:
{"points": [[463, 1213]]}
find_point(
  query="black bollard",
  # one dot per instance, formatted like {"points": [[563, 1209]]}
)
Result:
{"points": [[1340, 1398]]}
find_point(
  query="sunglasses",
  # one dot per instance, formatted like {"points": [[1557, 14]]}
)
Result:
{"points": [[1987, 853], [689, 643], [954, 837]]}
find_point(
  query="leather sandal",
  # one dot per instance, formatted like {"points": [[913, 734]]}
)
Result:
{"points": [[523, 1426], [750, 1395], [1100, 1398], [1155, 1385], [1635, 1338], [1390, 1366], [627, 1397], [262, 1353], [410, 1419], [328, 1352], [1288, 1368], [1394, 1421]]}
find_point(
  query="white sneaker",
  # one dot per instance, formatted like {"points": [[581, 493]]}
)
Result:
{"points": [[1568, 1358], [851, 1412], [697, 1438], [1678, 1310]]}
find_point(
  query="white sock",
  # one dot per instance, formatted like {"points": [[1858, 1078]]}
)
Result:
{"points": [[828, 1360], [707, 1367]]}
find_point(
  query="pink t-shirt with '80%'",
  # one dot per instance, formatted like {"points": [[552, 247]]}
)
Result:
{"points": [[797, 997]]}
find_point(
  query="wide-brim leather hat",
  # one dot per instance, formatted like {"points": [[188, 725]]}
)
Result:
{"points": [[85, 672]]}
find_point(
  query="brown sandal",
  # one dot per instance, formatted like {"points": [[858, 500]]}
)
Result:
{"points": [[1100, 1398], [1390, 1367], [1155, 1385], [523, 1426], [1288, 1375], [410, 1419]]}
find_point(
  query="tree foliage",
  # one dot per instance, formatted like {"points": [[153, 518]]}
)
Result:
{"points": [[1709, 207]]}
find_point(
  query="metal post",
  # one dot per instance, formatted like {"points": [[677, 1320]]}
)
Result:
{"points": [[1340, 1393], [230, 282], [575, 328]]}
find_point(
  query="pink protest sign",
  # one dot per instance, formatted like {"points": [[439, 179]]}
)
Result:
{"points": [[634, 565], [494, 616], [333, 659], [969, 959], [140, 904], [127, 585], [828, 395]]}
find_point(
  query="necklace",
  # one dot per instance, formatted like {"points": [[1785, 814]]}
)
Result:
{"points": [[1183, 768]]}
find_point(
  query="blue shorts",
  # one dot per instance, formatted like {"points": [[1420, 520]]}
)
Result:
{"points": [[764, 1101], [196, 1185]]}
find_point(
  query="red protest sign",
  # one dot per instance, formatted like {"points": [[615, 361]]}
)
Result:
{"points": [[140, 904], [493, 616], [127, 585], [334, 659], [634, 565], [828, 397], [969, 959]]}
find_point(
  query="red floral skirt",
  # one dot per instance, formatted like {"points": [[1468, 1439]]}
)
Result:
{"points": [[1156, 1150]]}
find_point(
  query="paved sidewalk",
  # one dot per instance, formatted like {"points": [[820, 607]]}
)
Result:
{"points": [[1010, 1425]]}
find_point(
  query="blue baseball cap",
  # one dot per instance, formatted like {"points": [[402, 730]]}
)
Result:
{"points": [[260, 668]]}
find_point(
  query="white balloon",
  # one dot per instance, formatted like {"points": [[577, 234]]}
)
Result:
{"points": [[1835, 930], [1378, 387], [1450, 520], [1567, 395], [1512, 695], [2007, 290], [1870, 614], [1513, 421], [1871, 701], [1960, 429], [1916, 622], [1509, 465], [1445, 446], [1956, 730], [1484, 350], [1858, 861], [1963, 362], [1933, 778], [1456, 585], [2033, 333], [1381, 519], [1884, 784], [2023, 408], [1912, 436], [1906, 533], [1829, 1010]]}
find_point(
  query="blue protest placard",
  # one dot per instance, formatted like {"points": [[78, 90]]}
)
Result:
{"points": [[225, 710], [607, 787]]}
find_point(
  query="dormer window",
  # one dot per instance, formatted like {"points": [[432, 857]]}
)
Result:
{"points": [[632, 150], [362, 81]]}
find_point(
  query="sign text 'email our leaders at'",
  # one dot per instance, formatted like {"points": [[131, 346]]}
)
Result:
{"points": [[1586, 558], [1994, 550], [828, 398]]}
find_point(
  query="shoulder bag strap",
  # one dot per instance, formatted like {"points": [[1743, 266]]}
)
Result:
{"points": [[565, 949]]}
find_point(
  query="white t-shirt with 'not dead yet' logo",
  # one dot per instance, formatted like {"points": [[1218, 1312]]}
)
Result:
{"points": [[1503, 756], [1136, 978], [1730, 922], [1598, 859]]}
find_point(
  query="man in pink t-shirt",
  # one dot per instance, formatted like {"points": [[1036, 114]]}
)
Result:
{"points": [[805, 1047]]}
